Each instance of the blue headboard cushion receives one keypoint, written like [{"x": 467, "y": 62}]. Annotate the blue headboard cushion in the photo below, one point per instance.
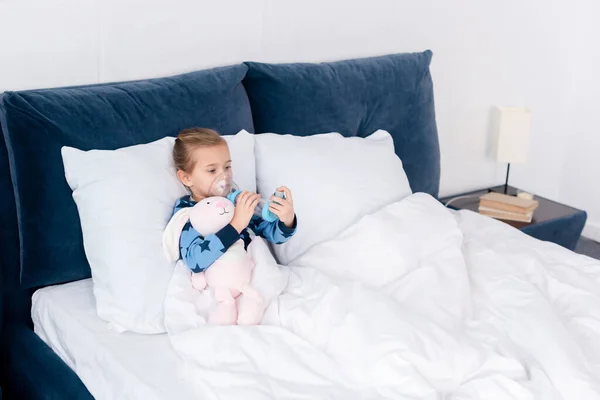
[
  {"x": 354, "y": 98},
  {"x": 16, "y": 302},
  {"x": 38, "y": 123}
]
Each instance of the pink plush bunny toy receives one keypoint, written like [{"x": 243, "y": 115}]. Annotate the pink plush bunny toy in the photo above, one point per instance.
[{"x": 230, "y": 274}]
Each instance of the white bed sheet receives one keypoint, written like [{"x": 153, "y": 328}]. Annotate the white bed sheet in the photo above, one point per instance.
[
  {"x": 411, "y": 302},
  {"x": 111, "y": 365}
]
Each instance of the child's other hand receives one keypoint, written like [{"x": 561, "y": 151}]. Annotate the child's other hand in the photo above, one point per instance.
[
  {"x": 285, "y": 209},
  {"x": 244, "y": 209}
]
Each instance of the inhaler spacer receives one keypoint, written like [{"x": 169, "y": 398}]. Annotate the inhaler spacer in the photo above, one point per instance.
[{"x": 223, "y": 186}]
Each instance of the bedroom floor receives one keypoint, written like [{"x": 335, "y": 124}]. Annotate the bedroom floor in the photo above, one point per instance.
[{"x": 588, "y": 247}]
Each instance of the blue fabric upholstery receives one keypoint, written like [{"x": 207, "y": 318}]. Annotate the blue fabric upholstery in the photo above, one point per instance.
[
  {"x": 34, "y": 371},
  {"x": 17, "y": 302},
  {"x": 564, "y": 231},
  {"x": 38, "y": 123},
  {"x": 354, "y": 98}
]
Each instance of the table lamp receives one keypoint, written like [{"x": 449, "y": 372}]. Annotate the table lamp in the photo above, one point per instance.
[{"x": 512, "y": 126}]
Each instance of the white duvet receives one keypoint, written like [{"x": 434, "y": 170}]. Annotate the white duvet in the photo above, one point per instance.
[{"x": 411, "y": 302}]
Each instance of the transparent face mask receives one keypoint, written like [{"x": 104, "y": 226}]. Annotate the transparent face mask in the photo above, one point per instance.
[{"x": 223, "y": 186}]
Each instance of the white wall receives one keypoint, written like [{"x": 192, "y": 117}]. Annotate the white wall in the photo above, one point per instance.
[
  {"x": 486, "y": 53},
  {"x": 580, "y": 180}
]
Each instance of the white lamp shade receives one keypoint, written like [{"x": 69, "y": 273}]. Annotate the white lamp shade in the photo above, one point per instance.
[{"x": 512, "y": 127}]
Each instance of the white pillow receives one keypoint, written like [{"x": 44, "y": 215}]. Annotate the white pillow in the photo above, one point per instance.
[
  {"x": 334, "y": 181},
  {"x": 125, "y": 198}
]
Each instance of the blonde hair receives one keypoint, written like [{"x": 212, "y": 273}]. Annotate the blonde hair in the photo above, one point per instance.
[{"x": 190, "y": 139}]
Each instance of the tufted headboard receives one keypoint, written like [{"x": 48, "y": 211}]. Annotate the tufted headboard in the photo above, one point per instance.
[{"x": 354, "y": 97}]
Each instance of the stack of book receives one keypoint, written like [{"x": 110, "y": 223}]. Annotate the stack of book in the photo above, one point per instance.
[{"x": 512, "y": 208}]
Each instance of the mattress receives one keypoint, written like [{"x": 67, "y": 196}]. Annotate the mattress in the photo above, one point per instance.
[{"x": 111, "y": 365}]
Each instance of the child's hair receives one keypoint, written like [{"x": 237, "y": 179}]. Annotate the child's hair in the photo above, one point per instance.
[{"x": 190, "y": 139}]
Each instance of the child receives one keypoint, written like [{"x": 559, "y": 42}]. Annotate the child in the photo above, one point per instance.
[{"x": 200, "y": 155}]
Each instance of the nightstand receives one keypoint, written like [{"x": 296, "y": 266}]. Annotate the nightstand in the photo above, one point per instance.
[{"x": 552, "y": 221}]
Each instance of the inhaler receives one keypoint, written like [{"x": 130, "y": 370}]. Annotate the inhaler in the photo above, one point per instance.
[{"x": 223, "y": 186}]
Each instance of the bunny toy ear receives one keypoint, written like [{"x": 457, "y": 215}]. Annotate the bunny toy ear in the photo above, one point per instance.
[{"x": 170, "y": 239}]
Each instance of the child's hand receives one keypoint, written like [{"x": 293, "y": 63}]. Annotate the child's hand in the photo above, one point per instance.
[
  {"x": 244, "y": 209},
  {"x": 285, "y": 209}
]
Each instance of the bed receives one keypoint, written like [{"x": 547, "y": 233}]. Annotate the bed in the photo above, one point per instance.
[{"x": 456, "y": 306}]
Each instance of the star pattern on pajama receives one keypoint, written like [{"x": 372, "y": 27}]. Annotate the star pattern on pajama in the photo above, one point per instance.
[{"x": 205, "y": 246}]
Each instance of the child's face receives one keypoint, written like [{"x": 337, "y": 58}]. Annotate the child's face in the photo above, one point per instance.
[{"x": 209, "y": 162}]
